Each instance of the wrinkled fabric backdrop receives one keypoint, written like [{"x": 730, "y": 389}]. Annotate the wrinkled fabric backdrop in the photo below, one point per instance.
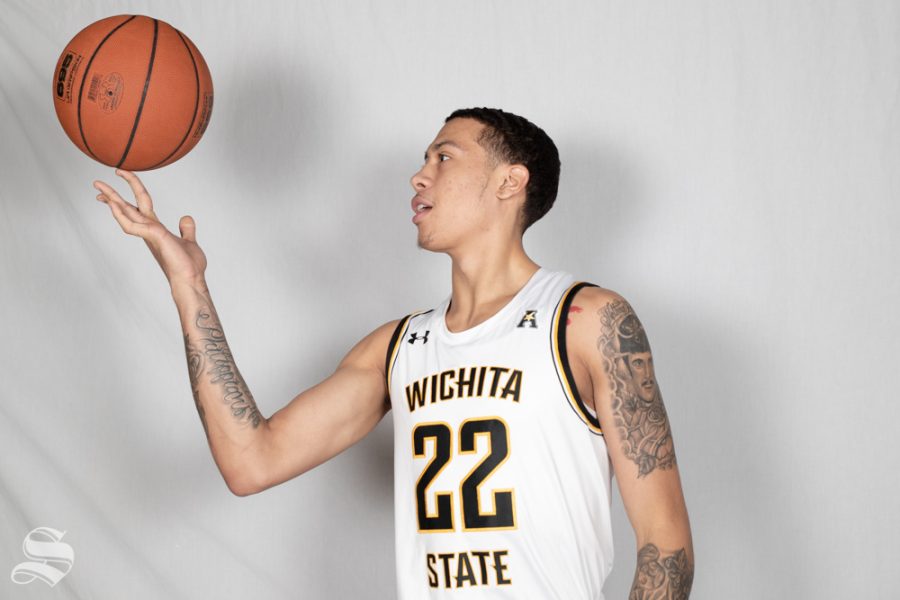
[{"x": 731, "y": 168}]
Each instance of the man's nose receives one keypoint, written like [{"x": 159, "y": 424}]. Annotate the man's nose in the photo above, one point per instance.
[{"x": 420, "y": 180}]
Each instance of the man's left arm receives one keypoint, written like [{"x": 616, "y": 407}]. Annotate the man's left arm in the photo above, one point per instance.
[{"x": 609, "y": 343}]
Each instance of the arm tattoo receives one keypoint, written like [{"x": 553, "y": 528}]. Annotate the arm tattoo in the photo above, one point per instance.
[
  {"x": 637, "y": 405},
  {"x": 215, "y": 353},
  {"x": 659, "y": 577},
  {"x": 195, "y": 366}
]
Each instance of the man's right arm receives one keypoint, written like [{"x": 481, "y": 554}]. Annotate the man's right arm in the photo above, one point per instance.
[{"x": 254, "y": 453}]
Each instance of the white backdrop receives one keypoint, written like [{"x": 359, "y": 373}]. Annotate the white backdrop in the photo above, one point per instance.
[{"x": 731, "y": 168}]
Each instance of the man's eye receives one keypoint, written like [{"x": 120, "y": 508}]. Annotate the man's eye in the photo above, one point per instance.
[{"x": 442, "y": 157}]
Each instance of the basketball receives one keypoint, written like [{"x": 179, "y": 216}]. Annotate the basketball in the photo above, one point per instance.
[{"x": 133, "y": 92}]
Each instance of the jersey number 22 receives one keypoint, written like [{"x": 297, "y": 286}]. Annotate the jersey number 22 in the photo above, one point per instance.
[{"x": 474, "y": 518}]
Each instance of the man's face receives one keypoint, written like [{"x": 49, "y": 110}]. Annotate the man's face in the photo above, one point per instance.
[
  {"x": 456, "y": 183},
  {"x": 642, "y": 376}
]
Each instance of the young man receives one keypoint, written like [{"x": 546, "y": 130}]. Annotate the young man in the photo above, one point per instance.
[{"x": 512, "y": 399}]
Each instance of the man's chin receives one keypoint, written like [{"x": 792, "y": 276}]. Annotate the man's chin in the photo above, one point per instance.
[{"x": 426, "y": 242}]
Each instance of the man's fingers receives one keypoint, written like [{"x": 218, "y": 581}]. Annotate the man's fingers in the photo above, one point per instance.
[
  {"x": 113, "y": 198},
  {"x": 128, "y": 225},
  {"x": 145, "y": 204},
  {"x": 188, "y": 228}
]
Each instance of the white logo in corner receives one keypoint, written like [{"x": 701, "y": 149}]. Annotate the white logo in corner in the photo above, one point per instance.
[{"x": 50, "y": 559}]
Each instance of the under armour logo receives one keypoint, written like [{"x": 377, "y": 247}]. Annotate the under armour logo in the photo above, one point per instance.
[
  {"x": 51, "y": 559},
  {"x": 414, "y": 337},
  {"x": 530, "y": 317}
]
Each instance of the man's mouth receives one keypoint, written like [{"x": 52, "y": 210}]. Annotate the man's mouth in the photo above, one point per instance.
[{"x": 419, "y": 204}]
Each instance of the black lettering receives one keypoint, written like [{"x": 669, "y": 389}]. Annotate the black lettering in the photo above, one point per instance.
[
  {"x": 464, "y": 571},
  {"x": 496, "y": 381},
  {"x": 415, "y": 394},
  {"x": 499, "y": 567},
  {"x": 446, "y": 394},
  {"x": 432, "y": 574},
  {"x": 446, "y": 558},
  {"x": 465, "y": 384},
  {"x": 482, "y": 559},
  {"x": 61, "y": 80},
  {"x": 434, "y": 388},
  {"x": 513, "y": 386},
  {"x": 502, "y": 383}
]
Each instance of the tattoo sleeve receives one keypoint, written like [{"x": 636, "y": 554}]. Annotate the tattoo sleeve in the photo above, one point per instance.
[
  {"x": 195, "y": 366},
  {"x": 662, "y": 577},
  {"x": 639, "y": 415},
  {"x": 211, "y": 365}
]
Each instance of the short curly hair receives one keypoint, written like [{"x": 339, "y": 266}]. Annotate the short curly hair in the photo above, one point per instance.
[{"x": 516, "y": 140}]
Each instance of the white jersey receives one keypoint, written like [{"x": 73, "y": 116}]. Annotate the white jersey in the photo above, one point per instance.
[{"x": 501, "y": 474}]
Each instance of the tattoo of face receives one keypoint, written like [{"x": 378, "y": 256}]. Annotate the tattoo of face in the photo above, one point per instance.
[
  {"x": 659, "y": 577},
  {"x": 195, "y": 367},
  {"x": 217, "y": 355},
  {"x": 640, "y": 417}
]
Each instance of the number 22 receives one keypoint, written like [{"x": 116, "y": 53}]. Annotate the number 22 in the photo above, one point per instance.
[{"x": 503, "y": 516}]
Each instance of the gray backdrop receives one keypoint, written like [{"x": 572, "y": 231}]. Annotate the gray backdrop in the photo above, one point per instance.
[{"x": 731, "y": 168}]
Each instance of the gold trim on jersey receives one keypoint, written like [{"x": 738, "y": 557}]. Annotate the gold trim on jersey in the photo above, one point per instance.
[
  {"x": 394, "y": 345},
  {"x": 560, "y": 358}
]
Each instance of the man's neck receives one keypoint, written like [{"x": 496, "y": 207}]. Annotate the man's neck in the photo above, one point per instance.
[{"x": 484, "y": 282}]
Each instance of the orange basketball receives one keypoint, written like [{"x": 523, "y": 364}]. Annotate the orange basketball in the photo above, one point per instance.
[{"x": 133, "y": 92}]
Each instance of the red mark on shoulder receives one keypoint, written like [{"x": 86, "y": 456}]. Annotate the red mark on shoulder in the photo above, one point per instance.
[{"x": 575, "y": 309}]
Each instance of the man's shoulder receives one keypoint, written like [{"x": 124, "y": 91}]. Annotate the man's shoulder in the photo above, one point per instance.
[
  {"x": 592, "y": 311},
  {"x": 380, "y": 340},
  {"x": 371, "y": 350},
  {"x": 595, "y": 296}
]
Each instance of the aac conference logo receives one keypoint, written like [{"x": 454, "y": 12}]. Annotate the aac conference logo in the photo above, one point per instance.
[{"x": 50, "y": 558}]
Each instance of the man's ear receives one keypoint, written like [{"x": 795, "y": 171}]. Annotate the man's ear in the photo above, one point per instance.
[{"x": 515, "y": 181}]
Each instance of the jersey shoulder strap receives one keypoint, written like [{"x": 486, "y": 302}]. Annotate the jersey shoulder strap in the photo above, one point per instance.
[
  {"x": 561, "y": 358},
  {"x": 394, "y": 344}
]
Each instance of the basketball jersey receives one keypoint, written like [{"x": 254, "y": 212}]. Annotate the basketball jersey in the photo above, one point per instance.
[{"x": 501, "y": 474}]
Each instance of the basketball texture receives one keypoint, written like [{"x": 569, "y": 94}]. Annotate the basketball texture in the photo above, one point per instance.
[{"x": 133, "y": 92}]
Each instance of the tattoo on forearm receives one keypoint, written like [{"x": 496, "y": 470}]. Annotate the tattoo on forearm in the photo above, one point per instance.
[
  {"x": 662, "y": 577},
  {"x": 637, "y": 406},
  {"x": 213, "y": 356},
  {"x": 195, "y": 366}
]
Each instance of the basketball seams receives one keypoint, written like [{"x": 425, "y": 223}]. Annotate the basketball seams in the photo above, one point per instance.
[
  {"x": 137, "y": 118},
  {"x": 87, "y": 69},
  {"x": 196, "y": 103},
  {"x": 205, "y": 94}
]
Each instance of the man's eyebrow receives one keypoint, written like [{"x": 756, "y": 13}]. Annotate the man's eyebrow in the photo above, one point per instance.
[{"x": 438, "y": 145}]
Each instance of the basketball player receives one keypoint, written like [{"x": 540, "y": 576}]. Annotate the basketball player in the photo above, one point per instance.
[{"x": 515, "y": 399}]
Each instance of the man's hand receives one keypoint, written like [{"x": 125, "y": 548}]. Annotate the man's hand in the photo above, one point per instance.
[{"x": 181, "y": 259}]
